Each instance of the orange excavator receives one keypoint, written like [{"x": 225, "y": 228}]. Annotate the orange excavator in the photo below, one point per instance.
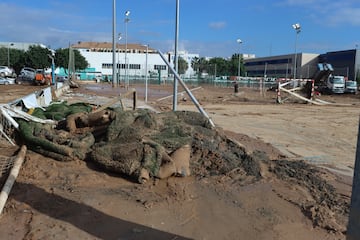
[{"x": 42, "y": 78}]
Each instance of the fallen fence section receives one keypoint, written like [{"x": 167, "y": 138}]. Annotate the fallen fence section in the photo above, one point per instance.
[
  {"x": 14, "y": 109},
  {"x": 6, "y": 164},
  {"x": 12, "y": 177},
  {"x": 292, "y": 91},
  {"x": 299, "y": 96}
]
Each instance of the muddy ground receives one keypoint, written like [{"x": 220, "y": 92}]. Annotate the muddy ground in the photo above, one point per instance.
[{"x": 291, "y": 200}]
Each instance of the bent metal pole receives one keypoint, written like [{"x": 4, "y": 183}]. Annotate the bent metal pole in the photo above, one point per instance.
[{"x": 201, "y": 110}]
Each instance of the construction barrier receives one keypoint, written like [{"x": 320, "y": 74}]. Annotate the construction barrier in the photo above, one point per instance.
[{"x": 296, "y": 84}]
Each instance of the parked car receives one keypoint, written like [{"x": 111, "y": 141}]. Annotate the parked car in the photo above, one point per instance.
[
  {"x": 7, "y": 72},
  {"x": 27, "y": 75},
  {"x": 7, "y": 81},
  {"x": 351, "y": 87}
]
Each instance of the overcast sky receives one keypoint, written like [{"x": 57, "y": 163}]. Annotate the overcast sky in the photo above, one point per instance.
[{"x": 207, "y": 27}]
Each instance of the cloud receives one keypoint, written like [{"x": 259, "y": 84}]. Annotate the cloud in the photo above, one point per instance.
[
  {"x": 217, "y": 25},
  {"x": 345, "y": 16},
  {"x": 329, "y": 13},
  {"x": 50, "y": 27}
]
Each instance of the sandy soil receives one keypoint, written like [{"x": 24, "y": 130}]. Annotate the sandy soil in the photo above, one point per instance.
[{"x": 76, "y": 200}]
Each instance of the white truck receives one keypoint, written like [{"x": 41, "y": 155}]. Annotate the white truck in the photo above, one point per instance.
[{"x": 335, "y": 84}]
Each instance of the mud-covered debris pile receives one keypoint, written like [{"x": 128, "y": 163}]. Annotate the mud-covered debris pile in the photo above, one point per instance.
[
  {"x": 144, "y": 145},
  {"x": 56, "y": 143},
  {"x": 160, "y": 145},
  {"x": 140, "y": 144}
]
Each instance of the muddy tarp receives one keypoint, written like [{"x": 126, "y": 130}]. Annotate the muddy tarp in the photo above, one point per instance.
[
  {"x": 137, "y": 143},
  {"x": 56, "y": 143},
  {"x": 145, "y": 140}
]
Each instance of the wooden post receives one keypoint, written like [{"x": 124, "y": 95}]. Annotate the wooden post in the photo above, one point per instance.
[
  {"x": 353, "y": 231},
  {"x": 278, "y": 96},
  {"x": 134, "y": 99},
  {"x": 312, "y": 89}
]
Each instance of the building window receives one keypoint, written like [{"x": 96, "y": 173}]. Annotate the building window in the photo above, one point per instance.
[
  {"x": 275, "y": 61},
  {"x": 107, "y": 65},
  {"x": 134, "y": 66},
  {"x": 160, "y": 67}
]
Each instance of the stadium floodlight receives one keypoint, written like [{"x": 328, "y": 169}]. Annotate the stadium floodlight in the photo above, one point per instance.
[{"x": 297, "y": 28}]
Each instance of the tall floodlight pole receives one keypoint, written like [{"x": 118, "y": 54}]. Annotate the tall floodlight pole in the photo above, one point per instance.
[
  {"x": 114, "y": 45},
  {"x": 127, "y": 19},
  {"x": 297, "y": 28},
  {"x": 239, "y": 42},
  {"x": 118, "y": 61},
  {"x": 146, "y": 73},
  {"x": 176, "y": 57}
]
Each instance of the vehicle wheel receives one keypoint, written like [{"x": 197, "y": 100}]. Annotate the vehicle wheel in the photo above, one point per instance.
[
  {"x": 2, "y": 74},
  {"x": 6, "y": 83}
]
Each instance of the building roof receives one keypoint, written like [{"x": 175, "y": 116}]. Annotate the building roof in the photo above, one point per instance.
[{"x": 107, "y": 47}]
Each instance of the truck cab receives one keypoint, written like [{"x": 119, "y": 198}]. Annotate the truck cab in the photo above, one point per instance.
[{"x": 336, "y": 84}]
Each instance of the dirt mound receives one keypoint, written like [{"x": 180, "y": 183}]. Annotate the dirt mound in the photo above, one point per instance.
[{"x": 319, "y": 200}]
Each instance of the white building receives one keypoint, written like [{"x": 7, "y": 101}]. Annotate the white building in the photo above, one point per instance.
[{"x": 100, "y": 55}]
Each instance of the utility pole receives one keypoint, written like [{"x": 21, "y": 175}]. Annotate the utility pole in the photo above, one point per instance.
[{"x": 176, "y": 57}]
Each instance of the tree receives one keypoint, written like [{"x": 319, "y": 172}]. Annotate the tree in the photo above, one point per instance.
[
  {"x": 16, "y": 58},
  {"x": 218, "y": 66},
  {"x": 37, "y": 57},
  {"x": 183, "y": 65},
  {"x": 221, "y": 66},
  {"x": 3, "y": 56},
  {"x": 200, "y": 65},
  {"x": 234, "y": 65},
  {"x": 62, "y": 59}
]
